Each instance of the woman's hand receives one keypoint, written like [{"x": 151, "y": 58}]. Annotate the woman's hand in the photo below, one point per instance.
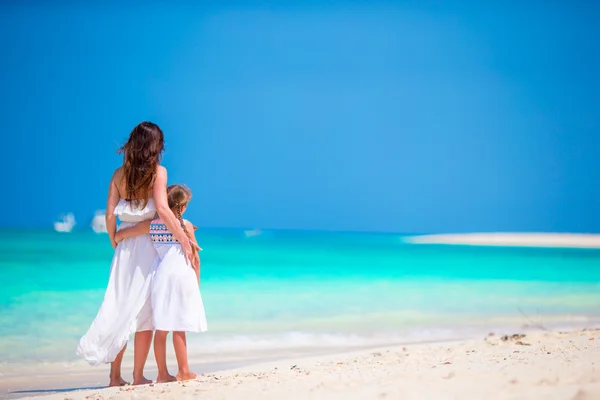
[
  {"x": 195, "y": 246},
  {"x": 196, "y": 266},
  {"x": 195, "y": 260},
  {"x": 188, "y": 250}
]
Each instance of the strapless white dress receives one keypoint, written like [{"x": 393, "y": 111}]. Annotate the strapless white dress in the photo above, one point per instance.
[{"x": 126, "y": 307}]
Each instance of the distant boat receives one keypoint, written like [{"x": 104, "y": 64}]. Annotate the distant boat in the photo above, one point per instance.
[
  {"x": 99, "y": 222},
  {"x": 66, "y": 224},
  {"x": 252, "y": 232}
]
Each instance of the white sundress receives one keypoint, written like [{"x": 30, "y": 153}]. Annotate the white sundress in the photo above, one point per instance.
[
  {"x": 176, "y": 300},
  {"x": 126, "y": 307}
]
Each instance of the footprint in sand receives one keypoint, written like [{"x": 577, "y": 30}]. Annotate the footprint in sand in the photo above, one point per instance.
[
  {"x": 585, "y": 395},
  {"x": 548, "y": 382},
  {"x": 449, "y": 376}
]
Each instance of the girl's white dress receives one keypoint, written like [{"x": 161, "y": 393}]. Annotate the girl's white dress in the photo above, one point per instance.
[
  {"x": 126, "y": 307},
  {"x": 176, "y": 300}
]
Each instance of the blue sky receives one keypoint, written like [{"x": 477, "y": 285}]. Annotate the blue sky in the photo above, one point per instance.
[{"x": 391, "y": 116}]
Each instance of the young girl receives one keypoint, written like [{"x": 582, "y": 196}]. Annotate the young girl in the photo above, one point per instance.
[{"x": 176, "y": 302}]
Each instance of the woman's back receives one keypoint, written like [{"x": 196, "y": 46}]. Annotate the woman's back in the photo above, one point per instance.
[
  {"x": 120, "y": 182},
  {"x": 140, "y": 208},
  {"x": 130, "y": 212}
]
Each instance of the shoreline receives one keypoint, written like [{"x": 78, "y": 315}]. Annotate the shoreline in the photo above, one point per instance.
[
  {"x": 507, "y": 239},
  {"x": 547, "y": 364}
]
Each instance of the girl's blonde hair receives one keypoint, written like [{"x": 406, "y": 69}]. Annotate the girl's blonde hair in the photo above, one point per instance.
[{"x": 178, "y": 196}]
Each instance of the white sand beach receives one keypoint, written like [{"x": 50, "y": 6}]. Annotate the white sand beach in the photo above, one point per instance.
[
  {"x": 545, "y": 365},
  {"x": 571, "y": 240}
]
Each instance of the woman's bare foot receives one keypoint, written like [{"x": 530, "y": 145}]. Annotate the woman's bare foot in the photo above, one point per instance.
[
  {"x": 186, "y": 376},
  {"x": 118, "y": 381},
  {"x": 166, "y": 378},
  {"x": 141, "y": 381}
]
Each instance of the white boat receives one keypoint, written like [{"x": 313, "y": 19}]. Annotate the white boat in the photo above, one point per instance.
[
  {"x": 252, "y": 232},
  {"x": 99, "y": 222},
  {"x": 66, "y": 224}
]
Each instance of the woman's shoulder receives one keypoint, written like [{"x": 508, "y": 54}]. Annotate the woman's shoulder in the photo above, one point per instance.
[
  {"x": 160, "y": 176},
  {"x": 117, "y": 176},
  {"x": 118, "y": 180},
  {"x": 161, "y": 169}
]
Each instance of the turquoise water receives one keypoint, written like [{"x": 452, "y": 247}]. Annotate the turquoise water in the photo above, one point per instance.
[{"x": 297, "y": 290}]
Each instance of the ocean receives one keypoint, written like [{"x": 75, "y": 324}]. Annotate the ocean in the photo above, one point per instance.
[{"x": 283, "y": 292}]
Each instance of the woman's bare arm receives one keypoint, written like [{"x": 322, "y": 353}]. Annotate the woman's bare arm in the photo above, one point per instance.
[
  {"x": 159, "y": 193},
  {"x": 196, "y": 263},
  {"x": 141, "y": 228},
  {"x": 111, "y": 203}
]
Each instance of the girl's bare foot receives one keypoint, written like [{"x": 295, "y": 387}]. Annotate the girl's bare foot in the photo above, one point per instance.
[
  {"x": 166, "y": 378},
  {"x": 141, "y": 381},
  {"x": 118, "y": 381},
  {"x": 186, "y": 376}
]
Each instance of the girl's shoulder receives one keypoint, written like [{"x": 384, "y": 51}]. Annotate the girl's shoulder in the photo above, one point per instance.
[{"x": 189, "y": 225}]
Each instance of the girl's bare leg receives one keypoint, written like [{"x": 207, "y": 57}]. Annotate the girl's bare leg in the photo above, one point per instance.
[
  {"x": 141, "y": 347},
  {"x": 160, "y": 353},
  {"x": 180, "y": 345},
  {"x": 115, "y": 370}
]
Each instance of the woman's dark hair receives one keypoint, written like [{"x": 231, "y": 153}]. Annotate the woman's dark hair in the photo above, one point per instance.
[{"x": 141, "y": 156}]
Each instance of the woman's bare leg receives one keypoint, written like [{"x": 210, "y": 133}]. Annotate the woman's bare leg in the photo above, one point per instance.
[
  {"x": 115, "y": 370},
  {"x": 141, "y": 348},
  {"x": 160, "y": 353},
  {"x": 180, "y": 345}
]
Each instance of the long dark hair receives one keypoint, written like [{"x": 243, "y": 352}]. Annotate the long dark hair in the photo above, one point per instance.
[{"x": 141, "y": 156}]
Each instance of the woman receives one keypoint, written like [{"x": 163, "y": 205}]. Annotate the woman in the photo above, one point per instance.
[{"x": 137, "y": 191}]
